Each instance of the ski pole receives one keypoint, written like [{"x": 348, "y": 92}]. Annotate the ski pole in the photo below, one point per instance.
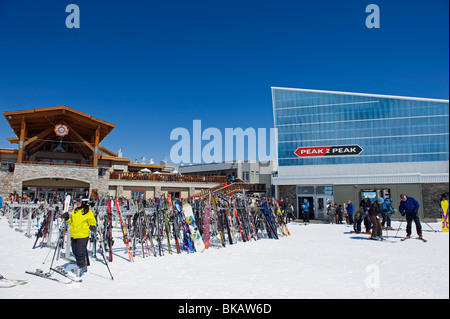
[
  {"x": 430, "y": 227},
  {"x": 399, "y": 227},
  {"x": 102, "y": 251}
]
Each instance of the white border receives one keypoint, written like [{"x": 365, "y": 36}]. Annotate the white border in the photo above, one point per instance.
[{"x": 361, "y": 94}]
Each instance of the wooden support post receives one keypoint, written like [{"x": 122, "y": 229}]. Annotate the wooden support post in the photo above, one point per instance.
[
  {"x": 96, "y": 146},
  {"x": 23, "y": 128}
]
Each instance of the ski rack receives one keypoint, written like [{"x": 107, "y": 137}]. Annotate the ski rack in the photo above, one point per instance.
[
  {"x": 243, "y": 221},
  {"x": 18, "y": 212}
]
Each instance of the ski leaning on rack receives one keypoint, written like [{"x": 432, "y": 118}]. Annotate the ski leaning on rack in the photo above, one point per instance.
[
  {"x": 174, "y": 223},
  {"x": 218, "y": 221},
  {"x": 124, "y": 232},
  {"x": 206, "y": 224},
  {"x": 108, "y": 230},
  {"x": 62, "y": 232}
]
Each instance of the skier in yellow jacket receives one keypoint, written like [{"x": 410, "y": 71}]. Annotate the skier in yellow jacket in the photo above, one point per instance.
[{"x": 82, "y": 221}]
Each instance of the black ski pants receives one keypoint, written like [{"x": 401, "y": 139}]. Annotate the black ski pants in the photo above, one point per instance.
[
  {"x": 357, "y": 225},
  {"x": 306, "y": 217},
  {"x": 409, "y": 219},
  {"x": 79, "y": 249}
]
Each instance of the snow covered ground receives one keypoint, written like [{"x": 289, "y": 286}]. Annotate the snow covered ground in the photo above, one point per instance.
[{"x": 316, "y": 261}]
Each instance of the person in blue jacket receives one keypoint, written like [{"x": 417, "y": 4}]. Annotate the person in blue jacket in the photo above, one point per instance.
[
  {"x": 386, "y": 212},
  {"x": 305, "y": 211},
  {"x": 350, "y": 209},
  {"x": 409, "y": 207}
]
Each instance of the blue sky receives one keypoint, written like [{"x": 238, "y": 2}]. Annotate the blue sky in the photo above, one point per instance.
[{"x": 152, "y": 66}]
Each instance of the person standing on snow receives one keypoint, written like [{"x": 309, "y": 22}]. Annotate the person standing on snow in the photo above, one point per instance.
[
  {"x": 290, "y": 213},
  {"x": 386, "y": 212},
  {"x": 365, "y": 204},
  {"x": 305, "y": 211},
  {"x": 350, "y": 209},
  {"x": 410, "y": 207},
  {"x": 374, "y": 216},
  {"x": 82, "y": 221},
  {"x": 358, "y": 220},
  {"x": 331, "y": 211}
]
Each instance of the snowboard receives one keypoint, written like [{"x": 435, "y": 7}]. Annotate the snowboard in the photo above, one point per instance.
[
  {"x": 206, "y": 224},
  {"x": 444, "y": 213},
  {"x": 195, "y": 233}
]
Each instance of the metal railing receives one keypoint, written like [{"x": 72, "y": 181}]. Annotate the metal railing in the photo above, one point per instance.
[
  {"x": 231, "y": 189},
  {"x": 57, "y": 164},
  {"x": 154, "y": 177}
]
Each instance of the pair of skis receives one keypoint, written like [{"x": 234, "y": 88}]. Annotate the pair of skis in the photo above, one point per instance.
[
  {"x": 419, "y": 238},
  {"x": 59, "y": 270},
  {"x": 124, "y": 232},
  {"x": 9, "y": 283}
]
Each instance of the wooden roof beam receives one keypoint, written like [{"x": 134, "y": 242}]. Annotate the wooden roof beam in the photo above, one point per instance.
[
  {"x": 41, "y": 135},
  {"x": 80, "y": 138}
]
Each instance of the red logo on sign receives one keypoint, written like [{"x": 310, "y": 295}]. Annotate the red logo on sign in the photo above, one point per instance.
[
  {"x": 312, "y": 151},
  {"x": 61, "y": 130},
  {"x": 347, "y": 150}
]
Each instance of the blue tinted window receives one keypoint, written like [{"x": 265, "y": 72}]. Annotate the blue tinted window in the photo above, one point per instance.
[{"x": 388, "y": 129}]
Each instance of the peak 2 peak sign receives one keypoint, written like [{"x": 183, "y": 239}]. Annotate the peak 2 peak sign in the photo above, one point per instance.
[{"x": 317, "y": 151}]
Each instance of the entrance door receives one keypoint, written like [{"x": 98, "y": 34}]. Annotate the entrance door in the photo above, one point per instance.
[
  {"x": 322, "y": 203},
  {"x": 62, "y": 192},
  {"x": 310, "y": 200}
]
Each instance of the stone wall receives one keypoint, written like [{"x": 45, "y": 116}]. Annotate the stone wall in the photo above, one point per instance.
[
  {"x": 6, "y": 179},
  {"x": 289, "y": 192},
  {"x": 101, "y": 184},
  {"x": 25, "y": 172},
  {"x": 431, "y": 193}
]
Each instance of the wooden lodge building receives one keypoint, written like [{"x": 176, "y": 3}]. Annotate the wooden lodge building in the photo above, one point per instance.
[{"x": 58, "y": 150}]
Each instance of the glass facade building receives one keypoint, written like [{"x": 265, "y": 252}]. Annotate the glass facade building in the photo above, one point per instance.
[
  {"x": 357, "y": 145},
  {"x": 389, "y": 129}
]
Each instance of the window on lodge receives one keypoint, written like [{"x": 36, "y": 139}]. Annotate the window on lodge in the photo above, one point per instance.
[
  {"x": 175, "y": 195},
  {"x": 315, "y": 190},
  {"x": 137, "y": 194},
  {"x": 58, "y": 146},
  {"x": 52, "y": 194},
  {"x": 7, "y": 165},
  {"x": 373, "y": 194},
  {"x": 57, "y": 161}
]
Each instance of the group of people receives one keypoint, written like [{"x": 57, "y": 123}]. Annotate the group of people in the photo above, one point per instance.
[
  {"x": 335, "y": 213},
  {"x": 377, "y": 214},
  {"x": 287, "y": 209}
]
